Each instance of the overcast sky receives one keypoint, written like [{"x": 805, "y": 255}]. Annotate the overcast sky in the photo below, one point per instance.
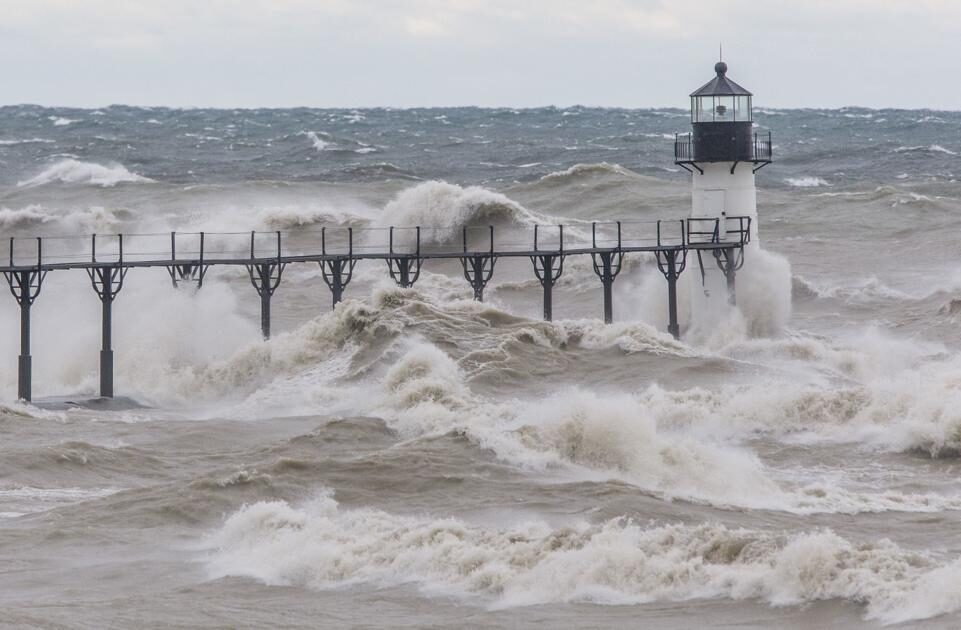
[{"x": 351, "y": 53}]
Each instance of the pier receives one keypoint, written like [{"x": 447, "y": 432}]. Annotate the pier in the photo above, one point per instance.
[{"x": 187, "y": 256}]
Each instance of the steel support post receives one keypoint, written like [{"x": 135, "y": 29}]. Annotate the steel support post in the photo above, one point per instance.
[
  {"x": 25, "y": 362},
  {"x": 477, "y": 283},
  {"x": 672, "y": 262},
  {"x": 107, "y": 282},
  {"x": 25, "y": 287},
  {"x": 729, "y": 261},
  {"x": 548, "y": 268},
  {"x": 478, "y": 270},
  {"x": 106, "y": 350},
  {"x": 607, "y": 265},
  {"x": 672, "y": 325},
  {"x": 263, "y": 271},
  {"x": 337, "y": 273},
  {"x": 731, "y": 289},
  {"x": 187, "y": 272},
  {"x": 265, "y": 278},
  {"x": 404, "y": 270}
]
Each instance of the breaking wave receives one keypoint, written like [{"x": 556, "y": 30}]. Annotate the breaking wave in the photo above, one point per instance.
[
  {"x": 617, "y": 562},
  {"x": 323, "y": 141},
  {"x": 879, "y": 394},
  {"x": 92, "y": 219},
  {"x": 446, "y": 208},
  {"x": 73, "y": 171}
]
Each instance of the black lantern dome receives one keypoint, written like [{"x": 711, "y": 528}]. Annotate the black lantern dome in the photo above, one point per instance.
[
  {"x": 721, "y": 100},
  {"x": 723, "y": 121}
]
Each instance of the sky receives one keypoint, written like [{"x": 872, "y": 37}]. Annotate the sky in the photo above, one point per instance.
[{"x": 516, "y": 53}]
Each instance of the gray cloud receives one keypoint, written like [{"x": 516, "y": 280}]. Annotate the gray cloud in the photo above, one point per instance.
[{"x": 629, "y": 53}]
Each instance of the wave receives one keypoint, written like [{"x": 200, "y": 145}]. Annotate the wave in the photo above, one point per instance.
[
  {"x": 803, "y": 289},
  {"x": 933, "y": 148},
  {"x": 88, "y": 220},
  {"x": 295, "y": 216},
  {"x": 21, "y": 500},
  {"x": 26, "y": 141},
  {"x": 72, "y": 171},
  {"x": 318, "y": 143},
  {"x": 897, "y": 196},
  {"x": 581, "y": 170},
  {"x": 444, "y": 209},
  {"x": 629, "y": 337},
  {"x": 875, "y": 392},
  {"x": 323, "y": 141},
  {"x": 872, "y": 289},
  {"x": 867, "y": 290},
  {"x": 379, "y": 359},
  {"x": 636, "y": 439},
  {"x": 807, "y": 182},
  {"x": 385, "y": 170},
  {"x": 617, "y": 562}
]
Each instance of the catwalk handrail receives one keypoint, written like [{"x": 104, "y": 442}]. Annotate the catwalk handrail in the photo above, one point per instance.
[{"x": 46, "y": 253}]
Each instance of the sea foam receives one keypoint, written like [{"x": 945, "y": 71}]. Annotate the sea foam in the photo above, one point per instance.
[{"x": 616, "y": 562}]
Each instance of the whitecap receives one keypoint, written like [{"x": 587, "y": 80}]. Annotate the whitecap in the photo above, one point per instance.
[
  {"x": 807, "y": 182},
  {"x": 322, "y": 546},
  {"x": 73, "y": 171}
]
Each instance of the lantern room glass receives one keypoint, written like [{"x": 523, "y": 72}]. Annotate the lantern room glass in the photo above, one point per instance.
[{"x": 721, "y": 109}]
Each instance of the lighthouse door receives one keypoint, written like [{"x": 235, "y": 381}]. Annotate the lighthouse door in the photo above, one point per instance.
[
  {"x": 713, "y": 204},
  {"x": 712, "y": 207}
]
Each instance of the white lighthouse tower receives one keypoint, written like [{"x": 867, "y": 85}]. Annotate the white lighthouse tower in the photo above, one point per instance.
[{"x": 722, "y": 154}]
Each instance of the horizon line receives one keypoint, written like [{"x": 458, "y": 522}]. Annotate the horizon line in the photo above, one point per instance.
[{"x": 480, "y": 107}]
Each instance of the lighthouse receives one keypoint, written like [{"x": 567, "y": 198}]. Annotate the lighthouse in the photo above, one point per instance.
[{"x": 722, "y": 153}]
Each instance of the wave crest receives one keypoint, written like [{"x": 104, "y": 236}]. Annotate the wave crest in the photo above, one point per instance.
[
  {"x": 617, "y": 562},
  {"x": 71, "y": 171},
  {"x": 92, "y": 219},
  {"x": 446, "y": 208},
  {"x": 586, "y": 170}
]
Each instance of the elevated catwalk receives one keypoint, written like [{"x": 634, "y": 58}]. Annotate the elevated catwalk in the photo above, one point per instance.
[{"x": 188, "y": 256}]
